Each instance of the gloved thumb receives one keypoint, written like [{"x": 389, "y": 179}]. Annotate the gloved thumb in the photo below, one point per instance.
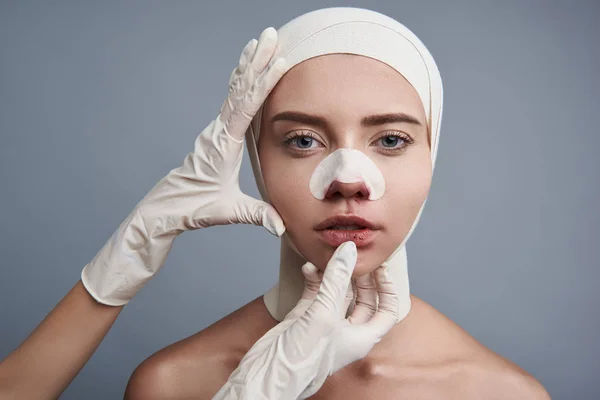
[
  {"x": 312, "y": 281},
  {"x": 257, "y": 212},
  {"x": 332, "y": 295}
]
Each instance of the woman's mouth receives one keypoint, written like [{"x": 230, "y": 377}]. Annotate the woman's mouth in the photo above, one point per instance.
[
  {"x": 361, "y": 237},
  {"x": 347, "y": 228}
]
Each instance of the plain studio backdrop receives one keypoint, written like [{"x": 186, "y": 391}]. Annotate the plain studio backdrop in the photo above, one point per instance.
[{"x": 99, "y": 100}]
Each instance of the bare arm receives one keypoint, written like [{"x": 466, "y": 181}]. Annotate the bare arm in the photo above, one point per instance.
[
  {"x": 50, "y": 358},
  {"x": 203, "y": 192}
]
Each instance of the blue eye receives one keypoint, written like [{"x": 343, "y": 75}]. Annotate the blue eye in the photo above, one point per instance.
[
  {"x": 303, "y": 142},
  {"x": 394, "y": 142},
  {"x": 390, "y": 141}
]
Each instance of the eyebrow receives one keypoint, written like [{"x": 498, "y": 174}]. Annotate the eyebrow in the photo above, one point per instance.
[{"x": 371, "y": 120}]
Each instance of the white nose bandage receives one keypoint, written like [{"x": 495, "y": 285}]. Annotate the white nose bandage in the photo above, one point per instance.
[{"x": 347, "y": 166}]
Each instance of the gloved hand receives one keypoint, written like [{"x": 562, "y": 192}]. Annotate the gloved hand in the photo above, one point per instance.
[
  {"x": 374, "y": 314},
  {"x": 294, "y": 358},
  {"x": 203, "y": 192}
]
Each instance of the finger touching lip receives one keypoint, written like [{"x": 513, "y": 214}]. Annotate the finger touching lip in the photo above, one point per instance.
[{"x": 360, "y": 237}]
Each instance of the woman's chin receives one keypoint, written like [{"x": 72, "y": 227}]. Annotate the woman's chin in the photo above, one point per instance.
[
  {"x": 368, "y": 260},
  {"x": 364, "y": 267}
]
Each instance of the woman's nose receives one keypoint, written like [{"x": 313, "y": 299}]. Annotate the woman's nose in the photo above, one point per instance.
[{"x": 354, "y": 189}]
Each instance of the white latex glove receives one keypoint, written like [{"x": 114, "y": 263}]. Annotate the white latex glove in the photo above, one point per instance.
[
  {"x": 293, "y": 359},
  {"x": 203, "y": 192},
  {"x": 373, "y": 315}
]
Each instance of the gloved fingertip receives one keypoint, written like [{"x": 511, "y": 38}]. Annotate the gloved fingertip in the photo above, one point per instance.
[
  {"x": 267, "y": 37},
  {"x": 309, "y": 270},
  {"x": 270, "y": 31},
  {"x": 270, "y": 229},
  {"x": 280, "y": 228},
  {"x": 279, "y": 64},
  {"x": 274, "y": 226},
  {"x": 347, "y": 249},
  {"x": 273, "y": 222},
  {"x": 382, "y": 274}
]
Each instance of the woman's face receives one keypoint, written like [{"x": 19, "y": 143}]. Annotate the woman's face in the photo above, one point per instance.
[{"x": 325, "y": 99}]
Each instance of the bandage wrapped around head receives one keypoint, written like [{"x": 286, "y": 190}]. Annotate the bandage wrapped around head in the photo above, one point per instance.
[{"x": 366, "y": 33}]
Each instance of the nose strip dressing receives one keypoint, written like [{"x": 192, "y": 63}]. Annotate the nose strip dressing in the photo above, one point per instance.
[{"x": 347, "y": 166}]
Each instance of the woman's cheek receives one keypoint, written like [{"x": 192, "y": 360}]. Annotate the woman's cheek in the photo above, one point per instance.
[
  {"x": 405, "y": 194},
  {"x": 289, "y": 192}
]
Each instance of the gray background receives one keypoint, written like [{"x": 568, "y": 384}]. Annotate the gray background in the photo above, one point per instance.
[{"x": 99, "y": 100}]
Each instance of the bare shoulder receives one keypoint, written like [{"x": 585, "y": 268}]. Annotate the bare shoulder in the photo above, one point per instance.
[
  {"x": 197, "y": 366},
  {"x": 472, "y": 369},
  {"x": 428, "y": 356},
  {"x": 493, "y": 379}
]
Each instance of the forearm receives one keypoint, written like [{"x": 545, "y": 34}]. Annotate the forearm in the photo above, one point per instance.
[{"x": 50, "y": 358}]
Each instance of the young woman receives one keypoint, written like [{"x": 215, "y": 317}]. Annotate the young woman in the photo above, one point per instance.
[
  {"x": 340, "y": 94},
  {"x": 343, "y": 149}
]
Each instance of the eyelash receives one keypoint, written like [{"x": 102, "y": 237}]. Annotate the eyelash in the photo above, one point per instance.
[{"x": 397, "y": 150}]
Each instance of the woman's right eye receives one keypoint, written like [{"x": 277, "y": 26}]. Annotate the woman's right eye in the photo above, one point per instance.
[{"x": 302, "y": 141}]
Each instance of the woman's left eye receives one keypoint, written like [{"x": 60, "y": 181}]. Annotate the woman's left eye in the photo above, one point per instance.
[
  {"x": 393, "y": 141},
  {"x": 390, "y": 141}
]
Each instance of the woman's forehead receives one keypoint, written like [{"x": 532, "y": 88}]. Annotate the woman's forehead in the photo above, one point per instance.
[{"x": 344, "y": 82}]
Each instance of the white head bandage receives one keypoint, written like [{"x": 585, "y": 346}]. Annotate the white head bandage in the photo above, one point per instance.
[
  {"x": 370, "y": 34},
  {"x": 347, "y": 166}
]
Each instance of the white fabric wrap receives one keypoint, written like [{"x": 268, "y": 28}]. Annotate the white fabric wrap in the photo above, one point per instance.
[{"x": 371, "y": 34}]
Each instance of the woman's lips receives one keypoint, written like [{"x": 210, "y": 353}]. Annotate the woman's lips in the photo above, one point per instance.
[{"x": 361, "y": 237}]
